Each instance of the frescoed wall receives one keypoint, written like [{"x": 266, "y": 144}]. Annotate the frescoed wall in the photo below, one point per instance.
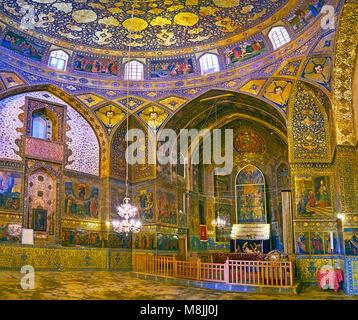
[
  {"x": 146, "y": 241},
  {"x": 313, "y": 196},
  {"x": 144, "y": 201},
  {"x": 10, "y": 191},
  {"x": 171, "y": 68},
  {"x": 81, "y": 201},
  {"x": 167, "y": 208},
  {"x": 96, "y": 65},
  {"x": 244, "y": 51},
  {"x": 23, "y": 46},
  {"x": 250, "y": 196},
  {"x": 167, "y": 242}
]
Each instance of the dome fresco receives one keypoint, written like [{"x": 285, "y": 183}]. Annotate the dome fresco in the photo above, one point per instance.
[{"x": 157, "y": 24}]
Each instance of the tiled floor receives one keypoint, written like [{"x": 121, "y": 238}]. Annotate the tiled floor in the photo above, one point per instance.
[{"x": 101, "y": 285}]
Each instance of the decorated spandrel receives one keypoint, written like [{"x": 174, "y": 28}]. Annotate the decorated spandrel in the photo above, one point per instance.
[{"x": 250, "y": 196}]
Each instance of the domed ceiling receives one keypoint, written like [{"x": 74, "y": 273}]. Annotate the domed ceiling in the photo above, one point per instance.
[{"x": 158, "y": 24}]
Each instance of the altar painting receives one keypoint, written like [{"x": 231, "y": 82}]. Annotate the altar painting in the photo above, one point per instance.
[
  {"x": 144, "y": 201},
  {"x": 313, "y": 196},
  {"x": 167, "y": 209},
  {"x": 250, "y": 196}
]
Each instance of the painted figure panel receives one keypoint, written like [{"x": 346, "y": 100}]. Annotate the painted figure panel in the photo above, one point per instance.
[
  {"x": 25, "y": 47},
  {"x": 244, "y": 51},
  {"x": 319, "y": 70},
  {"x": 302, "y": 242},
  {"x": 250, "y": 175},
  {"x": 171, "y": 68},
  {"x": 80, "y": 237},
  {"x": 304, "y": 15},
  {"x": 350, "y": 236},
  {"x": 317, "y": 242},
  {"x": 145, "y": 241},
  {"x": 167, "y": 242},
  {"x": 144, "y": 201},
  {"x": 313, "y": 196},
  {"x": 81, "y": 201},
  {"x": 10, "y": 190},
  {"x": 249, "y": 143},
  {"x": 279, "y": 92},
  {"x": 119, "y": 240},
  {"x": 251, "y": 204},
  {"x": 167, "y": 208},
  {"x": 96, "y": 65}
]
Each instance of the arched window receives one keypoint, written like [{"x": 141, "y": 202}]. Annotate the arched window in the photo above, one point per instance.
[
  {"x": 58, "y": 59},
  {"x": 250, "y": 196},
  {"x": 42, "y": 126},
  {"x": 133, "y": 70},
  {"x": 209, "y": 63},
  {"x": 279, "y": 37}
]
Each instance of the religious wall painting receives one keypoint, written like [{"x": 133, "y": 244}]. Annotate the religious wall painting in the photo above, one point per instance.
[
  {"x": 317, "y": 242},
  {"x": 250, "y": 196},
  {"x": 96, "y": 65},
  {"x": 10, "y": 190},
  {"x": 283, "y": 176},
  {"x": 194, "y": 223},
  {"x": 278, "y": 92},
  {"x": 249, "y": 143},
  {"x": 182, "y": 219},
  {"x": 244, "y": 51},
  {"x": 153, "y": 116},
  {"x": 313, "y": 197},
  {"x": 119, "y": 240},
  {"x": 118, "y": 152},
  {"x": 171, "y": 68},
  {"x": 81, "y": 237},
  {"x": 144, "y": 241},
  {"x": 304, "y": 15},
  {"x": 318, "y": 69},
  {"x": 222, "y": 186},
  {"x": 302, "y": 242},
  {"x": 167, "y": 242},
  {"x": 81, "y": 200},
  {"x": 167, "y": 211},
  {"x": 25, "y": 47},
  {"x": 144, "y": 201},
  {"x": 350, "y": 237},
  {"x": 40, "y": 220},
  {"x": 110, "y": 116}
]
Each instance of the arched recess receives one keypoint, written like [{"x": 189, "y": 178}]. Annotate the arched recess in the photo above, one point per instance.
[
  {"x": 310, "y": 125},
  {"x": 343, "y": 72},
  {"x": 81, "y": 109},
  {"x": 118, "y": 147},
  {"x": 246, "y": 116}
]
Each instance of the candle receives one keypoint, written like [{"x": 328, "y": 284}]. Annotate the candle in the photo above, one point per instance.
[{"x": 332, "y": 245}]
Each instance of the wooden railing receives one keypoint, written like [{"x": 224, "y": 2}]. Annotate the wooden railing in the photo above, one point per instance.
[{"x": 253, "y": 273}]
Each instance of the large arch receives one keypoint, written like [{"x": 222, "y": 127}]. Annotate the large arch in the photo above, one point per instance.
[{"x": 77, "y": 106}]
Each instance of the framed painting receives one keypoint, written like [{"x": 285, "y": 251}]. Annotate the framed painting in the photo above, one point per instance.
[{"x": 40, "y": 219}]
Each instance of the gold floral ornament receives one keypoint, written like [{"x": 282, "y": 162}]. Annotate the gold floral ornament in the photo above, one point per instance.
[
  {"x": 227, "y": 3},
  {"x": 84, "y": 16},
  {"x": 138, "y": 24},
  {"x": 153, "y": 116},
  {"x": 186, "y": 19}
]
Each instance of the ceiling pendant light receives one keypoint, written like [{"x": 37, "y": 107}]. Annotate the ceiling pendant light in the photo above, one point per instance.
[{"x": 127, "y": 212}]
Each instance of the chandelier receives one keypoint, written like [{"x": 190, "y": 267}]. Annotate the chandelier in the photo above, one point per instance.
[
  {"x": 127, "y": 224},
  {"x": 219, "y": 223}
]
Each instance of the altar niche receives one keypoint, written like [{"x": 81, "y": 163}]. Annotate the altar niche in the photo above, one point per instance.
[{"x": 250, "y": 196}]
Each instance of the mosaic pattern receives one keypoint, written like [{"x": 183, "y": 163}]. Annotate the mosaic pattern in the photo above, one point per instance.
[
  {"x": 157, "y": 24},
  {"x": 351, "y": 275},
  {"x": 309, "y": 134},
  {"x": 52, "y": 259}
]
